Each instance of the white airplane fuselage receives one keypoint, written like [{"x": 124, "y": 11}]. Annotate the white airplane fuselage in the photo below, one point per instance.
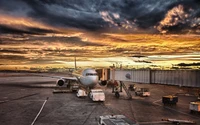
[{"x": 88, "y": 77}]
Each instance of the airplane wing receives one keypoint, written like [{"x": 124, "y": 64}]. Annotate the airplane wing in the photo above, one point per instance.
[
  {"x": 70, "y": 78},
  {"x": 59, "y": 77},
  {"x": 63, "y": 81},
  {"x": 64, "y": 78}
]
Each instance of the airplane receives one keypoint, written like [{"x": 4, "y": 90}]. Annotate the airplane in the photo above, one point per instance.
[{"x": 87, "y": 78}]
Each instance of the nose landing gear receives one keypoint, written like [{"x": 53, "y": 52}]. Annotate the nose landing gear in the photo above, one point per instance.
[{"x": 117, "y": 95}]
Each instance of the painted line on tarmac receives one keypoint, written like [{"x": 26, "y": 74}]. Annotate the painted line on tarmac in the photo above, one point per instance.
[
  {"x": 155, "y": 102},
  {"x": 39, "y": 111},
  {"x": 181, "y": 112}
]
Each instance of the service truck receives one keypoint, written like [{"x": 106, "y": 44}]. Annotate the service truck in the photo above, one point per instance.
[
  {"x": 97, "y": 95},
  {"x": 115, "y": 120},
  {"x": 142, "y": 92},
  {"x": 81, "y": 93},
  {"x": 194, "y": 106}
]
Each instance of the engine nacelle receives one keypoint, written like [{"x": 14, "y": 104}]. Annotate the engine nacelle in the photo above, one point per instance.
[
  {"x": 60, "y": 82},
  {"x": 103, "y": 82}
]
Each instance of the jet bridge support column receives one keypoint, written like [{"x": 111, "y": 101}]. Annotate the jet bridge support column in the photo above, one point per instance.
[
  {"x": 120, "y": 86},
  {"x": 126, "y": 90}
]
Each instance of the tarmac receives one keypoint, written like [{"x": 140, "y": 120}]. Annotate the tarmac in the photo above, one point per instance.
[{"x": 22, "y": 96}]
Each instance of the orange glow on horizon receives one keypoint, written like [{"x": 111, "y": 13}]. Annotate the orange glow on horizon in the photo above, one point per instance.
[{"x": 22, "y": 22}]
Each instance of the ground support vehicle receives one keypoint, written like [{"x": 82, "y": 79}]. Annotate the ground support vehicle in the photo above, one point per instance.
[
  {"x": 194, "y": 107},
  {"x": 132, "y": 87},
  {"x": 142, "y": 92},
  {"x": 81, "y": 93},
  {"x": 97, "y": 95},
  {"x": 169, "y": 99}
]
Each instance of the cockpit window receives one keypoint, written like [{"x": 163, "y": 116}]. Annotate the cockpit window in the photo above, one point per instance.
[{"x": 91, "y": 74}]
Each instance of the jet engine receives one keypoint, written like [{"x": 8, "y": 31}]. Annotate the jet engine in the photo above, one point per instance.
[
  {"x": 60, "y": 82},
  {"x": 103, "y": 82}
]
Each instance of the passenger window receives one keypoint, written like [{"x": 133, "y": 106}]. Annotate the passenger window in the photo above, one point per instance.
[{"x": 91, "y": 74}]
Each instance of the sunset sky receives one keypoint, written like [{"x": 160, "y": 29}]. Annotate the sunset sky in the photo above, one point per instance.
[{"x": 99, "y": 33}]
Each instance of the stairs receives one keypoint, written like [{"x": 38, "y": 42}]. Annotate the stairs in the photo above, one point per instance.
[{"x": 126, "y": 90}]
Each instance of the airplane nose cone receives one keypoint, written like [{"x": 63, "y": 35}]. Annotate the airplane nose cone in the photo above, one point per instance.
[
  {"x": 90, "y": 81},
  {"x": 93, "y": 80}
]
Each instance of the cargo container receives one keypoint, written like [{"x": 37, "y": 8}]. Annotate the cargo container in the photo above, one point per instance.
[{"x": 170, "y": 99}]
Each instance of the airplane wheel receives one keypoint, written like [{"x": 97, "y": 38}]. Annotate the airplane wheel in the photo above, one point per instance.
[{"x": 117, "y": 95}]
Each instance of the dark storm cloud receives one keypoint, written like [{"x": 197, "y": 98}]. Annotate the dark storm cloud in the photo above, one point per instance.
[
  {"x": 62, "y": 39},
  {"x": 69, "y": 40},
  {"x": 188, "y": 64},
  {"x": 61, "y": 53},
  {"x": 6, "y": 29},
  {"x": 76, "y": 14},
  {"x": 13, "y": 57},
  {"x": 59, "y": 39},
  {"x": 79, "y": 42},
  {"x": 14, "y": 7},
  {"x": 87, "y": 14},
  {"x": 119, "y": 50},
  {"x": 13, "y": 51}
]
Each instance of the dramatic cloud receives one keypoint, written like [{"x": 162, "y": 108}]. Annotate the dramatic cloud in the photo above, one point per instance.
[
  {"x": 132, "y": 15},
  {"x": 177, "y": 17},
  {"x": 12, "y": 57},
  {"x": 50, "y": 31}
]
